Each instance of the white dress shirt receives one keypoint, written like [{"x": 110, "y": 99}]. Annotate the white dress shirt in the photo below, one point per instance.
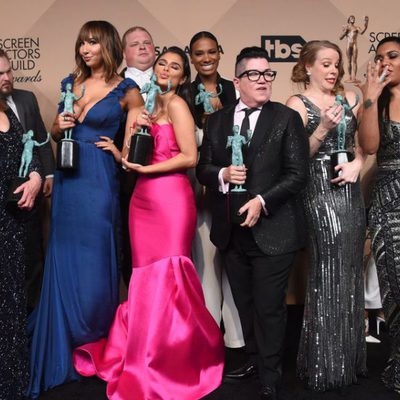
[
  {"x": 13, "y": 107},
  {"x": 140, "y": 77}
]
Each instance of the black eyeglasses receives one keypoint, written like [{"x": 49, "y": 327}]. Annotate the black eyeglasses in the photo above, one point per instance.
[{"x": 254, "y": 75}]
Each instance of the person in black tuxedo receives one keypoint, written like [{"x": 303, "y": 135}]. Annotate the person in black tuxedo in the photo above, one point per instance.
[
  {"x": 25, "y": 106},
  {"x": 139, "y": 54},
  {"x": 259, "y": 252}
]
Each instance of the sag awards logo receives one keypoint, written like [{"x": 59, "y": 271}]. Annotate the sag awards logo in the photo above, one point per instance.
[
  {"x": 24, "y": 53},
  {"x": 160, "y": 49},
  {"x": 376, "y": 37},
  {"x": 282, "y": 48}
]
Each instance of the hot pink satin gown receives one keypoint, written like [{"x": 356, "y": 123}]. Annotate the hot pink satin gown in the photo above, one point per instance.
[{"x": 163, "y": 344}]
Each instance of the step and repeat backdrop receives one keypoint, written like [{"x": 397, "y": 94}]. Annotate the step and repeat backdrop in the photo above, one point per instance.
[{"x": 39, "y": 37}]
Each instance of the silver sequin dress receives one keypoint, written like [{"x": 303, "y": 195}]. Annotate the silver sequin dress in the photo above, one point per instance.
[
  {"x": 332, "y": 350},
  {"x": 385, "y": 230}
]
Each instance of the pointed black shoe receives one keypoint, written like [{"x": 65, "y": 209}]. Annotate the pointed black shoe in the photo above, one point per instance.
[{"x": 246, "y": 371}]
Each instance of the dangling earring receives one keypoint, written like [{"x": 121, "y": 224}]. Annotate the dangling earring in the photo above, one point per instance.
[{"x": 308, "y": 73}]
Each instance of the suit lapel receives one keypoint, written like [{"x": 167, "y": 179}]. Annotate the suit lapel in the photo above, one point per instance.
[{"x": 263, "y": 127}]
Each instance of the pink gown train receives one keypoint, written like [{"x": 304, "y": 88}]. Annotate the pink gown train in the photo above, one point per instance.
[{"x": 163, "y": 343}]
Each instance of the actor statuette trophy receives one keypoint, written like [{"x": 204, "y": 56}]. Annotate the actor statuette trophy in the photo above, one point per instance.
[
  {"x": 238, "y": 196},
  {"x": 26, "y": 159},
  {"x": 141, "y": 143},
  {"x": 67, "y": 148},
  {"x": 341, "y": 155}
]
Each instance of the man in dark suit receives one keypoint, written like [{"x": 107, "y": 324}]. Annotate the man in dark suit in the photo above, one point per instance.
[
  {"x": 259, "y": 252},
  {"x": 139, "y": 54},
  {"x": 26, "y": 108}
]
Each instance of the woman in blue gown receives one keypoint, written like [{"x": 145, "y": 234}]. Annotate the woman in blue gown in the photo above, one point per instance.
[{"x": 80, "y": 286}]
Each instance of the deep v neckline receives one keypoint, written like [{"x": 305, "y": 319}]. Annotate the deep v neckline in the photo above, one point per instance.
[
  {"x": 9, "y": 117},
  {"x": 99, "y": 101}
]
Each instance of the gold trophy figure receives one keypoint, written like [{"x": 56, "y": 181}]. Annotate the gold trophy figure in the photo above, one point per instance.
[{"x": 350, "y": 32}]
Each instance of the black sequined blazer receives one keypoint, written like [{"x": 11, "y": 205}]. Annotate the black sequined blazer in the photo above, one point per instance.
[{"x": 277, "y": 162}]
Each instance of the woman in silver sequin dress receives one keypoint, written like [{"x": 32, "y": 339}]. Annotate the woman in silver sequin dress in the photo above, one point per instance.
[
  {"x": 332, "y": 348},
  {"x": 380, "y": 133},
  {"x": 13, "y": 338}
]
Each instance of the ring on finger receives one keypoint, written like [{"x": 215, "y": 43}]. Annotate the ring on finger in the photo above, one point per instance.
[
  {"x": 65, "y": 118},
  {"x": 335, "y": 114}
]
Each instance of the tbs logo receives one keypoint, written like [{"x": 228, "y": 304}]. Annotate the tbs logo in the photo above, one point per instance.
[{"x": 282, "y": 48}]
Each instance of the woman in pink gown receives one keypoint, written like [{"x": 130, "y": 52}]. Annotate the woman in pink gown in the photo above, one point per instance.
[{"x": 163, "y": 344}]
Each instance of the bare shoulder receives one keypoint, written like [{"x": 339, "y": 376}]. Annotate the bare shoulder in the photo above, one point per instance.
[
  {"x": 116, "y": 80},
  {"x": 294, "y": 101},
  {"x": 176, "y": 103},
  {"x": 177, "y": 107},
  {"x": 296, "y": 104},
  {"x": 351, "y": 97}
]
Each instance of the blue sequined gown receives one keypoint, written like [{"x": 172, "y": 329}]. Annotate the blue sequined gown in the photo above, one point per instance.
[
  {"x": 332, "y": 349},
  {"x": 80, "y": 285},
  {"x": 385, "y": 231}
]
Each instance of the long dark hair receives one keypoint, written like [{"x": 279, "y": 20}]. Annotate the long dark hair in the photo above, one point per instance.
[
  {"x": 111, "y": 49},
  {"x": 384, "y": 98},
  {"x": 184, "y": 90}
]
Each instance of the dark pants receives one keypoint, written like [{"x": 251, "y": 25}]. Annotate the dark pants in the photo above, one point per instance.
[
  {"x": 34, "y": 254},
  {"x": 259, "y": 285},
  {"x": 128, "y": 181}
]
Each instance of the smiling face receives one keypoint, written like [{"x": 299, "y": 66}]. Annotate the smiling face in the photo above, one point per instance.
[
  {"x": 253, "y": 94},
  {"x": 90, "y": 51},
  {"x": 205, "y": 56},
  {"x": 169, "y": 67},
  {"x": 139, "y": 50},
  {"x": 6, "y": 77},
  {"x": 325, "y": 70},
  {"x": 389, "y": 56}
]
